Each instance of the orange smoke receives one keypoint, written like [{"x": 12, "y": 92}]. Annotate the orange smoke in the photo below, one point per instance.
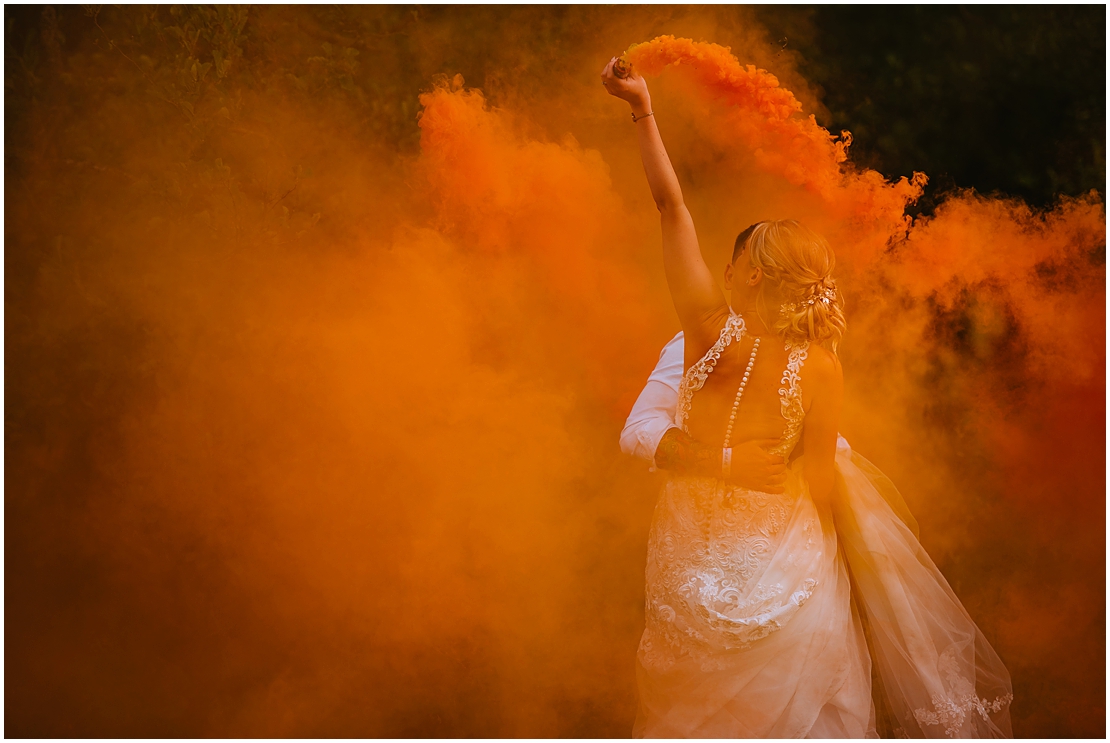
[
  {"x": 313, "y": 432},
  {"x": 766, "y": 119}
]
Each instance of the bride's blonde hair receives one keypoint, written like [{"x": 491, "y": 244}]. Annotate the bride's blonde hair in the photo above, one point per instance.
[{"x": 797, "y": 298}]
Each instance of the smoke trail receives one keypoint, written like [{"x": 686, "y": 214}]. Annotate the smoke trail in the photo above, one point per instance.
[{"x": 312, "y": 424}]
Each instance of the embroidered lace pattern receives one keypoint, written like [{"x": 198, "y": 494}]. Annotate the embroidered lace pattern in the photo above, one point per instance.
[
  {"x": 694, "y": 378},
  {"x": 790, "y": 399},
  {"x": 708, "y": 552},
  {"x": 790, "y": 394},
  {"x": 952, "y": 708}
]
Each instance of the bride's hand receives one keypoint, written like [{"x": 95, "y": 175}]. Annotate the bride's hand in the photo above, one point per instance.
[
  {"x": 632, "y": 88},
  {"x": 754, "y": 469}
]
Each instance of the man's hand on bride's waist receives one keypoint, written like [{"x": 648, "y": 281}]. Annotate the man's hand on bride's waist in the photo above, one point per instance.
[{"x": 752, "y": 468}]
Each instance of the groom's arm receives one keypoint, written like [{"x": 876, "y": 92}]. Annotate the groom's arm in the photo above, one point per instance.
[
  {"x": 650, "y": 432},
  {"x": 679, "y": 452},
  {"x": 653, "y": 414}
]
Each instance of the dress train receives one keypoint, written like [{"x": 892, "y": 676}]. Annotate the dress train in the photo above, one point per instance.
[{"x": 768, "y": 616}]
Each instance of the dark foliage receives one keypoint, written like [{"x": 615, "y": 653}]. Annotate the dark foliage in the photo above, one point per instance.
[{"x": 998, "y": 98}]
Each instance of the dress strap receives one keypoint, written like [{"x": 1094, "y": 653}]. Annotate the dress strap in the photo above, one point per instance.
[
  {"x": 790, "y": 399},
  {"x": 695, "y": 376}
]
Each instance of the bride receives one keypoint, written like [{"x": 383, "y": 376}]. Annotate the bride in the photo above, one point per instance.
[{"x": 813, "y": 611}]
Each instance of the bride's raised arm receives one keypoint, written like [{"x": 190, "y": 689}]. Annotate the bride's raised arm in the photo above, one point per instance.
[{"x": 696, "y": 295}]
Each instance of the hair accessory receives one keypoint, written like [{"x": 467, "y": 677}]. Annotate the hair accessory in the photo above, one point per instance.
[{"x": 824, "y": 290}]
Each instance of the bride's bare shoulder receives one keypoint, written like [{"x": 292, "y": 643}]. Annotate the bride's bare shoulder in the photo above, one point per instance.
[{"x": 822, "y": 371}]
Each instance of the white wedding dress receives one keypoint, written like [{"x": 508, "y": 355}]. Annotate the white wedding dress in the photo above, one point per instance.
[{"x": 769, "y": 616}]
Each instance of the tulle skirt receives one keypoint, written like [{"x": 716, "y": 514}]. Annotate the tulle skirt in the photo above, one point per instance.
[{"x": 770, "y": 616}]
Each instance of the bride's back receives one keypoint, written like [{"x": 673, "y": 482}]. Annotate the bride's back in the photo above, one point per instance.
[
  {"x": 782, "y": 272},
  {"x": 759, "y": 414}
]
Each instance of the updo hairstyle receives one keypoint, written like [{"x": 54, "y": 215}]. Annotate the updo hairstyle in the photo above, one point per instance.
[{"x": 797, "y": 298}]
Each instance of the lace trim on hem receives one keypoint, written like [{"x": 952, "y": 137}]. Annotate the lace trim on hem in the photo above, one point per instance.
[{"x": 951, "y": 712}]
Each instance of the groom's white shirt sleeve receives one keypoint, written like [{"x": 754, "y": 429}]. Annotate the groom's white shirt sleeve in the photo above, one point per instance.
[{"x": 654, "y": 411}]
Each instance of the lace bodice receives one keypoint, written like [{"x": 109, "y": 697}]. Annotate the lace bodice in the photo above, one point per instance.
[
  {"x": 728, "y": 567},
  {"x": 790, "y": 393}
]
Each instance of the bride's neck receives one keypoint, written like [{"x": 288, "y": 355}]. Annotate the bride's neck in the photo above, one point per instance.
[{"x": 752, "y": 322}]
